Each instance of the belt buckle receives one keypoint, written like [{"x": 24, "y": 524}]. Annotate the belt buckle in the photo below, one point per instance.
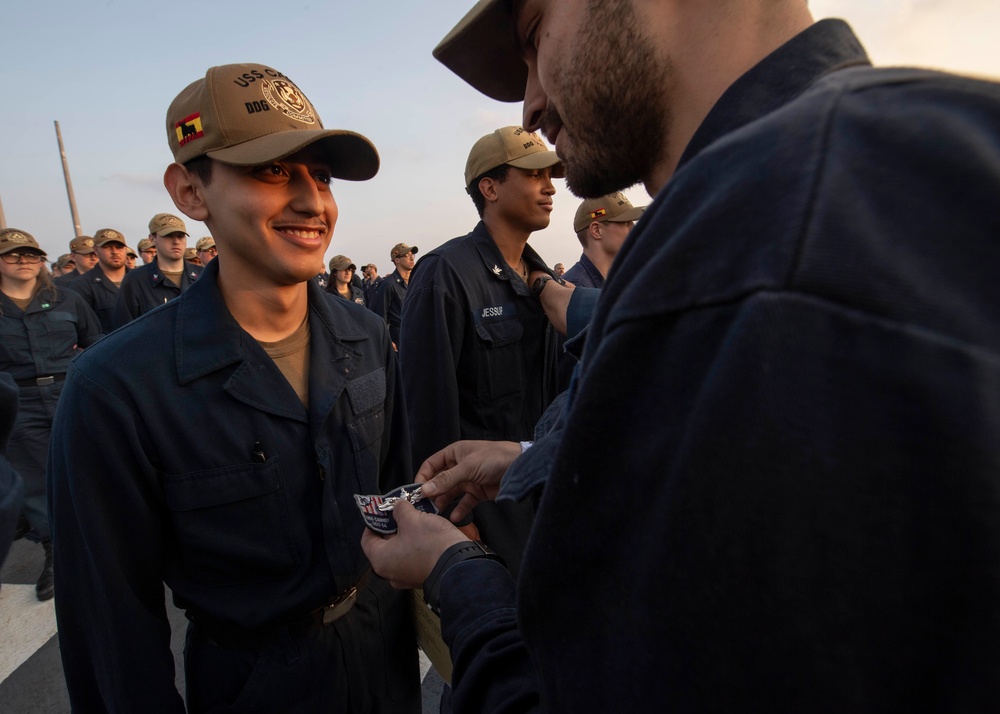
[
  {"x": 45, "y": 381},
  {"x": 341, "y": 606}
]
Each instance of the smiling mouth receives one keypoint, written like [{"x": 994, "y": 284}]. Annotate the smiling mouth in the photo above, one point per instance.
[{"x": 313, "y": 234}]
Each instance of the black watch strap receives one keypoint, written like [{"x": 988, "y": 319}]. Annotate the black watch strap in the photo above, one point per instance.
[
  {"x": 467, "y": 550},
  {"x": 539, "y": 284}
]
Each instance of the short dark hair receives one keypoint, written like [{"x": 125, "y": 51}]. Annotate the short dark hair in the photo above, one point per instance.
[
  {"x": 200, "y": 166},
  {"x": 499, "y": 174}
]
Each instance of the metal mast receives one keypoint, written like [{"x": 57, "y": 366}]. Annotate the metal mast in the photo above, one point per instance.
[{"x": 69, "y": 185}]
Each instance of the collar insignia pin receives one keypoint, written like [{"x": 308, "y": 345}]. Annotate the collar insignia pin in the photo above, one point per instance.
[{"x": 496, "y": 270}]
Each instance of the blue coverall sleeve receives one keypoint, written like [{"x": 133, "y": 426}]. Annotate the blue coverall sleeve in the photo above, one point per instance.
[
  {"x": 107, "y": 532},
  {"x": 493, "y": 672}
]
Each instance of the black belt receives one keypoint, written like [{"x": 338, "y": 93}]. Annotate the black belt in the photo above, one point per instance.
[
  {"x": 238, "y": 638},
  {"x": 40, "y": 381}
]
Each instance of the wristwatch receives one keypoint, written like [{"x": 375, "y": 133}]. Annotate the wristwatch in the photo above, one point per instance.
[
  {"x": 466, "y": 550},
  {"x": 539, "y": 284}
]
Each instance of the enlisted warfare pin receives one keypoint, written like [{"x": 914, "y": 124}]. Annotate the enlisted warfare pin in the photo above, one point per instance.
[{"x": 377, "y": 510}]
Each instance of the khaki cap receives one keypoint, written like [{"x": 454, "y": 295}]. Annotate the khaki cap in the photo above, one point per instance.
[
  {"x": 613, "y": 208},
  {"x": 341, "y": 262},
  {"x": 401, "y": 249},
  {"x": 190, "y": 254},
  {"x": 108, "y": 235},
  {"x": 250, "y": 114},
  {"x": 204, "y": 243},
  {"x": 510, "y": 145},
  {"x": 14, "y": 238},
  {"x": 82, "y": 245},
  {"x": 64, "y": 260},
  {"x": 129, "y": 251},
  {"x": 163, "y": 224},
  {"x": 481, "y": 50},
  {"x": 146, "y": 244}
]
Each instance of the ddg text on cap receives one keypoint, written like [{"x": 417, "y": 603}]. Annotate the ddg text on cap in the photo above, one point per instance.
[
  {"x": 511, "y": 145},
  {"x": 251, "y": 114}
]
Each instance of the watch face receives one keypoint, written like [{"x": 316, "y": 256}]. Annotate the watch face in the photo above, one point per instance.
[{"x": 377, "y": 510}]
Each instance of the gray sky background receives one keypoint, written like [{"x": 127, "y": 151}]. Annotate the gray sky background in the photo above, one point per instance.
[{"x": 107, "y": 71}]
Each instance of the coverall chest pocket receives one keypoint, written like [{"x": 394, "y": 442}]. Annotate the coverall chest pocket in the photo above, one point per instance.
[
  {"x": 61, "y": 333},
  {"x": 498, "y": 359},
  {"x": 232, "y": 524},
  {"x": 366, "y": 395}
]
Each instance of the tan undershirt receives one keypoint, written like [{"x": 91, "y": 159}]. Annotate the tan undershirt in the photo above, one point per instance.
[
  {"x": 21, "y": 303},
  {"x": 175, "y": 278},
  {"x": 291, "y": 355}
]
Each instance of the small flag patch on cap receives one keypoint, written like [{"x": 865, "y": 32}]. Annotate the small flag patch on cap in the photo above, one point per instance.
[
  {"x": 189, "y": 129},
  {"x": 599, "y": 213}
]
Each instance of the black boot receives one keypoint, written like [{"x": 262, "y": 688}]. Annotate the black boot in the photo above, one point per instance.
[{"x": 45, "y": 588}]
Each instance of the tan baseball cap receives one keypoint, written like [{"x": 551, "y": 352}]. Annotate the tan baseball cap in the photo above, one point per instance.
[
  {"x": 82, "y": 245},
  {"x": 401, "y": 249},
  {"x": 163, "y": 224},
  {"x": 14, "y": 238},
  {"x": 108, "y": 235},
  {"x": 146, "y": 244},
  {"x": 204, "y": 243},
  {"x": 613, "y": 208},
  {"x": 64, "y": 260},
  {"x": 510, "y": 145},
  {"x": 250, "y": 114},
  {"x": 341, "y": 262},
  {"x": 129, "y": 251},
  {"x": 190, "y": 254},
  {"x": 481, "y": 50}
]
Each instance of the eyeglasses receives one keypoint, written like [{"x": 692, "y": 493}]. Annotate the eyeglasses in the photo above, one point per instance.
[{"x": 14, "y": 258}]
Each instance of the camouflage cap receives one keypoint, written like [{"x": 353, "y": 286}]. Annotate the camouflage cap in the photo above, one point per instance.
[
  {"x": 81, "y": 245},
  {"x": 163, "y": 224},
  {"x": 15, "y": 238},
  {"x": 510, "y": 145},
  {"x": 251, "y": 114},
  {"x": 108, "y": 235}
]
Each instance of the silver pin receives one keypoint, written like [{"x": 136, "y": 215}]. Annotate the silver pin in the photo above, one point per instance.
[{"x": 410, "y": 497}]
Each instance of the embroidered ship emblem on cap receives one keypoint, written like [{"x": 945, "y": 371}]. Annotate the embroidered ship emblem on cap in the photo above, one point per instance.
[{"x": 287, "y": 99}]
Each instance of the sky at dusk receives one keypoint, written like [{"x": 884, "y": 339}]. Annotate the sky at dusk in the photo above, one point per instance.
[{"x": 107, "y": 71}]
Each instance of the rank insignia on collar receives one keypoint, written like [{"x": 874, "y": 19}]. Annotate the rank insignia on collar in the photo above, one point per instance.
[{"x": 496, "y": 271}]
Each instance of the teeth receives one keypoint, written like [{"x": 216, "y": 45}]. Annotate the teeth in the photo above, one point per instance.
[{"x": 303, "y": 234}]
